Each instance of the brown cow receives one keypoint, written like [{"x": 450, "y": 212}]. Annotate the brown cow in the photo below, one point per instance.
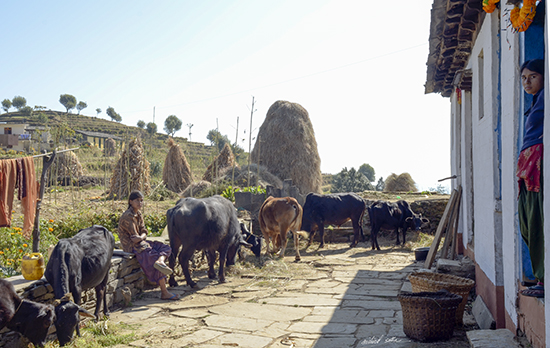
[{"x": 277, "y": 216}]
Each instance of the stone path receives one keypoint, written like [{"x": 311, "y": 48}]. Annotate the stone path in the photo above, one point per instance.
[{"x": 334, "y": 298}]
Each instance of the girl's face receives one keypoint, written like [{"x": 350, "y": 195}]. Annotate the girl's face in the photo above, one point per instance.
[
  {"x": 532, "y": 81},
  {"x": 136, "y": 203}
]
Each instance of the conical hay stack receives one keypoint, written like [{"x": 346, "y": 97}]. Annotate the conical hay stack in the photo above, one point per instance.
[
  {"x": 287, "y": 146},
  {"x": 176, "y": 173},
  {"x": 259, "y": 176},
  {"x": 225, "y": 159},
  {"x": 400, "y": 183},
  {"x": 195, "y": 189},
  {"x": 131, "y": 172},
  {"x": 109, "y": 149},
  {"x": 67, "y": 164}
]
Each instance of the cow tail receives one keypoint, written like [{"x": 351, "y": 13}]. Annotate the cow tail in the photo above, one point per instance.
[
  {"x": 260, "y": 215},
  {"x": 297, "y": 221}
]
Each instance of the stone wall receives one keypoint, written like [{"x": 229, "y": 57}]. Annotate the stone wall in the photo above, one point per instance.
[{"x": 126, "y": 279}]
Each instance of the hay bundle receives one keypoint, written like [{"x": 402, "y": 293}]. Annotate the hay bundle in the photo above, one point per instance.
[
  {"x": 177, "y": 172},
  {"x": 131, "y": 172},
  {"x": 109, "y": 149},
  {"x": 259, "y": 176},
  {"x": 195, "y": 189},
  {"x": 287, "y": 147},
  {"x": 221, "y": 164},
  {"x": 400, "y": 183},
  {"x": 67, "y": 164}
]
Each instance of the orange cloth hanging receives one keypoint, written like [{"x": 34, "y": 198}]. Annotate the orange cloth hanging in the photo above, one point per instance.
[
  {"x": 8, "y": 178},
  {"x": 29, "y": 187}
]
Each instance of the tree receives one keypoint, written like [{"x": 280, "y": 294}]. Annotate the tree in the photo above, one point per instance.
[
  {"x": 26, "y": 111},
  {"x": 380, "y": 185},
  {"x": 113, "y": 114},
  {"x": 81, "y": 106},
  {"x": 217, "y": 139},
  {"x": 367, "y": 171},
  {"x": 141, "y": 124},
  {"x": 172, "y": 124},
  {"x": 400, "y": 183},
  {"x": 97, "y": 112},
  {"x": 19, "y": 102},
  {"x": 151, "y": 128},
  {"x": 6, "y": 104},
  {"x": 350, "y": 181},
  {"x": 68, "y": 101}
]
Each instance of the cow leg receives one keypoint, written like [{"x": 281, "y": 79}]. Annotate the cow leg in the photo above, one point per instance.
[
  {"x": 223, "y": 257},
  {"x": 184, "y": 257},
  {"x": 283, "y": 237},
  {"x": 404, "y": 232},
  {"x": 374, "y": 237},
  {"x": 175, "y": 244},
  {"x": 211, "y": 256},
  {"x": 397, "y": 234},
  {"x": 322, "y": 235},
  {"x": 311, "y": 235},
  {"x": 296, "y": 245}
]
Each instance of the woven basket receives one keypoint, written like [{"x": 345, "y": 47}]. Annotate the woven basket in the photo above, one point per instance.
[
  {"x": 429, "y": 316},
  {"x": 431, "y": 282}
]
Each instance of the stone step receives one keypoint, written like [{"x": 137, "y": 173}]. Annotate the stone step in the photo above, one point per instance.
[{"x": 501, "y": 338}]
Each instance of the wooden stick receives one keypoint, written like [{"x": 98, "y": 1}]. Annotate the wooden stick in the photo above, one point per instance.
[
  {"x": 448, "y": 231},
  {"x": 442, "y": 224},
  {"x": 455, "y": 224},
  {"x": 46, "y": 163}
]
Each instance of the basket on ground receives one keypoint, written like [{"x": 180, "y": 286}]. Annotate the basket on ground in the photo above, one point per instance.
[
  {"x": 432, "y": 282},
  {"x": 429, "y": 316}
]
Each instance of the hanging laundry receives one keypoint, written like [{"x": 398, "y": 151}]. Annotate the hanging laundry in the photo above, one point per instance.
[
  {"x": 29, "y": 189},
  {"x": 8, "y": 178}
]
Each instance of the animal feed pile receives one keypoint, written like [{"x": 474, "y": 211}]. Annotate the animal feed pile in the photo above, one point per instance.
[
  {"x": 177, "y": 172},
  {"x": 131, "y": 172},
  {"x": 109, "y": 149},
  {"x": 221, "y": 164},
  {"x": 67, "y": 165}
]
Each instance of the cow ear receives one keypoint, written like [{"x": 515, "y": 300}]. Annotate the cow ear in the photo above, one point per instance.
[
  {"x": 408, "y": 219},
  {"x": 424, "y": 220},
  {"x": 85, "y": 313}
]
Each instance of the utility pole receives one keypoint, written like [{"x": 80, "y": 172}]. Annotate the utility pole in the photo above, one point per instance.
[
  {"x": 153, "y": 114},
  {"x": 190, "y": 125},
  {"x": 250, "y": 139}
]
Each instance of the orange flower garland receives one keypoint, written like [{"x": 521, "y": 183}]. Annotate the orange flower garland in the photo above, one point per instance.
[
  {"x": 522, "y": 18},
  {"x": 489, "y": 5}
]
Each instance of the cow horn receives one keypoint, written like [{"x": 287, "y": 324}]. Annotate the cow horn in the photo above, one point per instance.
[
  {"x": 248, "y": 245},
  {"x": 85, "y": 313}
]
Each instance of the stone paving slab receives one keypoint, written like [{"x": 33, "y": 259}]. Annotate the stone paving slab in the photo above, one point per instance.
[{"x": 261, "y": 311}]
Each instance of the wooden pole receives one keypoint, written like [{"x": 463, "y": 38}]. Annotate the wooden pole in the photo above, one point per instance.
[{"x": 46, "y": 163}]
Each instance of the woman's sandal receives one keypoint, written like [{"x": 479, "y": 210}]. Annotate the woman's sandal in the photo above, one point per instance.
[
  {"x": 534, "y": 291},
  {"x": 162, "y": 268}
]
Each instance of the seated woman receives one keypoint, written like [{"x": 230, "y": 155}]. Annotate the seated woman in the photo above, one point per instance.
[{"x": 150, "y": 255}]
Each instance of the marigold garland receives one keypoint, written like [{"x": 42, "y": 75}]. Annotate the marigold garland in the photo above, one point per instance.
[
  {"x": 522, "y": 18},
  {"x": 489, "y": 5}
]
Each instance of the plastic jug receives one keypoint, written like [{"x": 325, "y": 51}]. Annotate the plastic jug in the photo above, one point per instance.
[{"x": 32, "y": 266}]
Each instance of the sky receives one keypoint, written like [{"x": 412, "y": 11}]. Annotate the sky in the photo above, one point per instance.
[{"x": 358, "y": 67}]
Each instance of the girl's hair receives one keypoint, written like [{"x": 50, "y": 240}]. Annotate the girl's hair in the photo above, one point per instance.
[
  {"x": 536, "y": 65},
  {"x": 133, "y": 195}
]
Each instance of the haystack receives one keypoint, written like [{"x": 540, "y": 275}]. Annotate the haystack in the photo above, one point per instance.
[
  {"x": 195, "y": 189},
  {"x": 177, "y": 172},
  {"x": 110, "y": 148},
  {"x": 221, "y": 164},
  {"x": 67, "y": 165},
  {"x": 286, "y": 146},
  {"x": 131, "y": 172},
  {"x": 400, "y": 183},
  {"x": 259, "y": 176}
]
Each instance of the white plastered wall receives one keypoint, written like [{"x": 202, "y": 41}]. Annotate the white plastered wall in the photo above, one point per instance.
[{"x": 510, "y": 106}]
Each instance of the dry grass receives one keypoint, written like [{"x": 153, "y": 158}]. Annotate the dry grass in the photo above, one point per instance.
[
  {"x": 176, "y": 173},
  {"x": 224, "y": 162},
  {"x": 286, "y": 146},
  {"x": 131, "y": 172}
]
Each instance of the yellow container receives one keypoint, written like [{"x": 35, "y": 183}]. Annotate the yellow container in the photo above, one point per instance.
[{"x": 32, "y": 266}]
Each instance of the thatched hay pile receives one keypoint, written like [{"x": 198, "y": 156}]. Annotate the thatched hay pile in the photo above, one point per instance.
[
  {"x": 177, "y": 172},
  {"x": 195, "y": 189},
  {"x": 400, "y": 183},
  {"x": 259, "y": 176},
  {"x": 131, "y": 172},
  {"x": 287, "y": 147},
  {"x": 67, "y": 164},
  {"x": 221, "y": 164},
  {"x": 110, "y": 148}
]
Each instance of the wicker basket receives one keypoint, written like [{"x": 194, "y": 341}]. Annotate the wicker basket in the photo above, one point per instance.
[
  {"x": 431, "y": 282},
  {"x": 429, "y": 316}
]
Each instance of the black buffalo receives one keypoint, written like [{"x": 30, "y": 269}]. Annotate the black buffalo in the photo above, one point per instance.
[
  {"x": 252, "y": 239},
  {"x": 393, "y": 216},
  {"x": 31, "y": 319},
  {"x": 333, "y": 209},
  {"x": 209, "y": 224},
  {"x": 77, "y": 264}
]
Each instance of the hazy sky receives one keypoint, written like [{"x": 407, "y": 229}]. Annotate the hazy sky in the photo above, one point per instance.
[{"x": 357, "y": 66}]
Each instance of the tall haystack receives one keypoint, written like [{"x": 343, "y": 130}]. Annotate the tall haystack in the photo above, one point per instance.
[
  {"x": 400, "y": 183},
  {"x": 221, "y": 164},
  {"x": 286, "y": 146},
  {"x": 177, "y": 172},
  {"x": 131, "y": 172},
  {"x": 110, "y": 148},
  {"x": 66, "y": 164}
]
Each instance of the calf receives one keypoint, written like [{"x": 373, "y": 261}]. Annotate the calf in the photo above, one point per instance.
[
  {"x": 77, "y": 264},
  {"x": 31, "y": 319},
  {"x": 209, "y": 224},
  {"x": 277, "y": 216},
  {"x": 333, "y": 209},
  {"x": 253, "y": 240},
  {"x": 386, "y": 215}
]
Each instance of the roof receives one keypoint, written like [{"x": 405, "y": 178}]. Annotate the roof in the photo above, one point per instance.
[
  {"x": 453, "y": 30},
  {"x": 98, "y": 135}
]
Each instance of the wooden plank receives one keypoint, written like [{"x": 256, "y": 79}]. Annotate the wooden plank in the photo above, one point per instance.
[
  {"x": 442, "y": 224},
  {"x": 455, "y": 223},
  {"x": 449, "y": 232}
]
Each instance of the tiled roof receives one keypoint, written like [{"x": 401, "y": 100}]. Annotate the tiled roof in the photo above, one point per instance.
[
  {"x": 453, "y": 30},
  {"x": 98, "y": 135}
]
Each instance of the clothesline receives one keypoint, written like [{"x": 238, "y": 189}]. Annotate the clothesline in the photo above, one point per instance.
[{"x": 49, "y": 153}]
